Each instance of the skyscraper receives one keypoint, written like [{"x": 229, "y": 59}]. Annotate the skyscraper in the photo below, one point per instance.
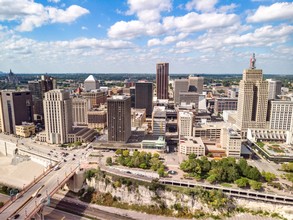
[
  {"x": 252, "y": 99},
  {"x": 58, "y": 116},
  {"x": 17, "y": 107},
  {"x": 144, "y": 96},
  {"x": 197, "y": 82},
  {"x": 180, "y": 85},
  {"x": 80, "y": 107},
  {"x": 119, "y": 118},
  {"x": 38, "y": 89},
  {"x": 274, "y": 88},
  {"x": 91, "y": 83},
  {"x": 162, "y": 80}
]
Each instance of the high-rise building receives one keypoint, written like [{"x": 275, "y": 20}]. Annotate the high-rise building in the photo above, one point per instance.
[
  {"x": 197, "y": 82},
  {"x": 91, "y": 83},
  {"x": 80, "y": 107},
  {"x": 132, "y": 96},
  {"x": 180, "y": 85},
  {"x": 162, "y": 80},
  {"x": 38, "y": 89},
  {"x": 185, "y": 123},
  {"x": 281, "y": 115},
  {"x": 144, "y": 97},
  {"x": 252, "y": 99},
  {"x": 17, "y": 107},
  {"x": 58, "y": 116},
  {"x": 274, "y": 88},
  {"x": 119, "y": 118}
]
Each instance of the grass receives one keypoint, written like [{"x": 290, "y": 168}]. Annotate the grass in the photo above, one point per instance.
[
  {"x": 260, "y": 144},
  {"x": 226, "y": 185}
]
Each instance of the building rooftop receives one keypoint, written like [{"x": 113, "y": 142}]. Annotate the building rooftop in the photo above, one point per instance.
[{"x": 91, "y": 78}]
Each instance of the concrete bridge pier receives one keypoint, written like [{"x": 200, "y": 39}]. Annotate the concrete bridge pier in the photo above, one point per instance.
[{"x": 75, "y": 183}]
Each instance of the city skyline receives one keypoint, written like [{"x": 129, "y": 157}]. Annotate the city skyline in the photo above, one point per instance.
[{"x": 194, "y": 36}]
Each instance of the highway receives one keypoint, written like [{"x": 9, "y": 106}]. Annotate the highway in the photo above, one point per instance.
[{"x": 26, "y": 205}]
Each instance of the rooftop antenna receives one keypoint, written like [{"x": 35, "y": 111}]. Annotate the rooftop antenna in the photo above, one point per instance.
[{"x": 252, "y": 61}]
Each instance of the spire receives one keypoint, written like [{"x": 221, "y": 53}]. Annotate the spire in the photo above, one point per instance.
[{"x": 252, "y": 61}]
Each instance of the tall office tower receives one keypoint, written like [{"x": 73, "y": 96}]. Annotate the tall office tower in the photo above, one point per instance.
[
  {"x": 162, "y": 80},
  {"x": 38, "y": 89},
  {"x": 119, "y": 118},
  {"x": 159, "y": 120},
  {"x": 274, "y": 88},
  {"x": 80, "y": 107},
  {"x": 180, "y": 85},
  {"x": 185, "y": 122},
  {"x": 132, "y": 96},
  {"x": 197, "y": 82},
  {"x": 17, "y": 107},
  {"x": 252, "y": 99},
  {"x": 281, "y": 115},
  {"x": 144, "y": 96},
  {"x": 58, "y": 116},
  {"x": 91, "y": 83}
]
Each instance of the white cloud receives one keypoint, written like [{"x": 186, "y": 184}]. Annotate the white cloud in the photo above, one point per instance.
[
  {"x": 201, "y": 5},
  {"x": 54, "y": 1},
  {"x": 31, "y": 14},
  {"x": 84, "y": 28},
  {"x": 277, "y": 11},
  {"x": 148, "y": 10},
  {"x": 135, "y": 28},
  {"x": 193, "y": 22},
  {"x": 166, "y": 40}
]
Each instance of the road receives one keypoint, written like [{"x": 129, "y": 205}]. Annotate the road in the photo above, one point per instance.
[{"x": 51, "y": 182}]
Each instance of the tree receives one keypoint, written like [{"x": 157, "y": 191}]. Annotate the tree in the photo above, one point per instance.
[
  {"x": 255, "y": 185},
  {"x": 254, "y": 174},
  {"x": 191, "y": 156},
  {"x": 109, "y": 161},
  {"x": 125, "y": 153},
  {"x": 269, "y": 177},
  {"x": 90, "y": 173},
  {"x": 212, "y": 178},
  {"x": 288, "y": 167},
  {"x": 118, "y": 152},
  {"x": 242, "y": 182},
  {"x": 161, "y": 172},
  {"x": 156, "y": 155}
]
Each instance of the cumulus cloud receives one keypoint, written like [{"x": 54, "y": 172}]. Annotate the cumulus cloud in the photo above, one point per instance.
[
  {"x": 135, "y": 28},
  {"x": 148, "y": 10},
  {"x": 277, "y": 11},
  {"x": 31, "y": 14},
  {"x": 166, "y": 40},
  {"x": 201, "y": 5},
  {"x": 192, "y": 21},
  {"x": 54, "y": 1}
]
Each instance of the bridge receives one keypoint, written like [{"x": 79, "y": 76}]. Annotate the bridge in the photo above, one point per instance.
[
  {"x": 239, "y": 193},
  {"x": 32, "y": 199}
]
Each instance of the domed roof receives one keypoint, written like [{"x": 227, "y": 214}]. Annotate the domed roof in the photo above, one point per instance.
[{"x": 91, "y": 78}]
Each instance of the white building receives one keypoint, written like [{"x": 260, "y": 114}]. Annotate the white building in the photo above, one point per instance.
[
  {"x": 190, "y": 145},
  {"x": 185, "y": 121},
  {"x": 80, "y": 107},
  {"x": 231, "y": 141},
  {"x": 274, "y": 88},
  {"x": 58, "y": 116},
  {"x": 91, "y": 83},
  {"x": 281, "y": 115}
]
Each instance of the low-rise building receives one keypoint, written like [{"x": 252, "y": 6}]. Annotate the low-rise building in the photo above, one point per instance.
[
  {"x": 25, "y": 130},
  {"x": 159, "y": 121},
  {"x": 159, "y": 144},
  {"x": 97, "y": 119},
  {"x": 138, "y": 117},
  {"x": 189, "y": 145},
  {"x": 209, "y": 131},
  {"x": 222, "y": 104}
]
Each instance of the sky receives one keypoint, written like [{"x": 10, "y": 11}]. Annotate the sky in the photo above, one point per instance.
[{"x": 131, "y": 36}]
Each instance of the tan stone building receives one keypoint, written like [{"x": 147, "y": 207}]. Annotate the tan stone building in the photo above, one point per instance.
[
  {"x": 25, "y": 130},
  {"x": 252, "y": 100},
  {"x": 58, "y": 116}
]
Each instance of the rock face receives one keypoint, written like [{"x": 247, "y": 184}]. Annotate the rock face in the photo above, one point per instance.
[{"x": 141, "y": 195}]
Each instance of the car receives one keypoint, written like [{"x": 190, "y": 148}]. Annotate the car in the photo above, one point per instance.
[
  {"x": 73, "y": 158},
  {"x": 16, "y": 216},
  {"x": 128, "y": 172},
  {"x": 65, "y": 160},
  {"x": 49, "y": 154},
  {"x": 74, "y": 155},
  {"x": 39, "y": 194}
]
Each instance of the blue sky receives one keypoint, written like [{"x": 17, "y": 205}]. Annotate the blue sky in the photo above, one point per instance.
[{"x": 131, "y": 36}]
